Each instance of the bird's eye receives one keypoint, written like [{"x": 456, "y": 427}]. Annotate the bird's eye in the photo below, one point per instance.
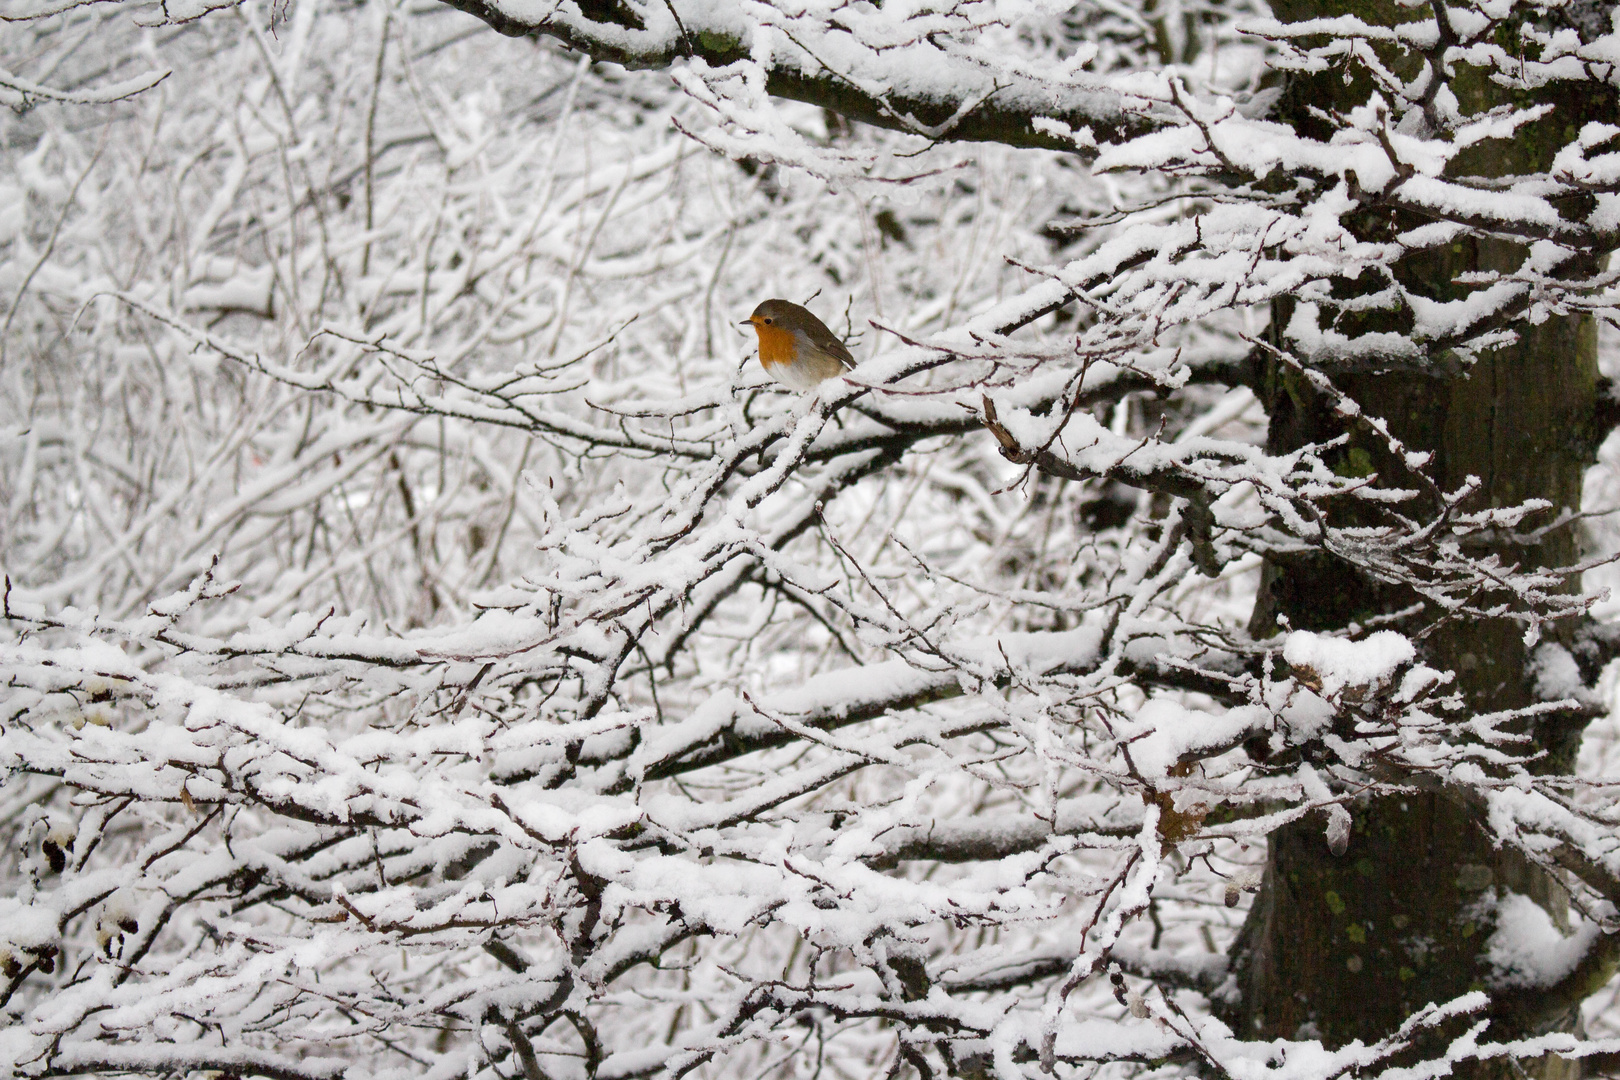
[{"x": 770, "y": 322}]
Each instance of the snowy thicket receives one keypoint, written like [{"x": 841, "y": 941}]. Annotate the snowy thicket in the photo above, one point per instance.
[{"x": 433, "y": 647}]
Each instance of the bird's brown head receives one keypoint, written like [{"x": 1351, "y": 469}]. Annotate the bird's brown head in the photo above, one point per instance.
[{"x": 783, "y": 315}]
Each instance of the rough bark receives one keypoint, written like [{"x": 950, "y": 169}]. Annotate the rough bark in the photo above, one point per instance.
[{"x": 1346, "y": 947}]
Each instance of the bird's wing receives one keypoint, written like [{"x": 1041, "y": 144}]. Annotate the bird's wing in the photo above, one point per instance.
[{"x": 828, "y": 342}]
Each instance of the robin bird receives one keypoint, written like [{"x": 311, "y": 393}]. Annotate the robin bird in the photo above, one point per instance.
[{"x": 796, "y": 348}]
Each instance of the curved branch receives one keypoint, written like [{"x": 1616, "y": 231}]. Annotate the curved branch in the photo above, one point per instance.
[{"x": 919, "y": 88}]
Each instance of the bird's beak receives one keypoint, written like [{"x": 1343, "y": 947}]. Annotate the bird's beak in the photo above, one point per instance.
[{"x": 747, "y": 322}]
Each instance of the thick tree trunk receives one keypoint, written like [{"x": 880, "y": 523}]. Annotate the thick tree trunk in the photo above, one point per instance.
[
  {"x": 1343, "y": 948},
  {"x": 1347, "y": 947}
]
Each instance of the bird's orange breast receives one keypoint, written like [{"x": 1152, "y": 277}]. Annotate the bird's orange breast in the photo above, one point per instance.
[{"x": 776, "y": 346}]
